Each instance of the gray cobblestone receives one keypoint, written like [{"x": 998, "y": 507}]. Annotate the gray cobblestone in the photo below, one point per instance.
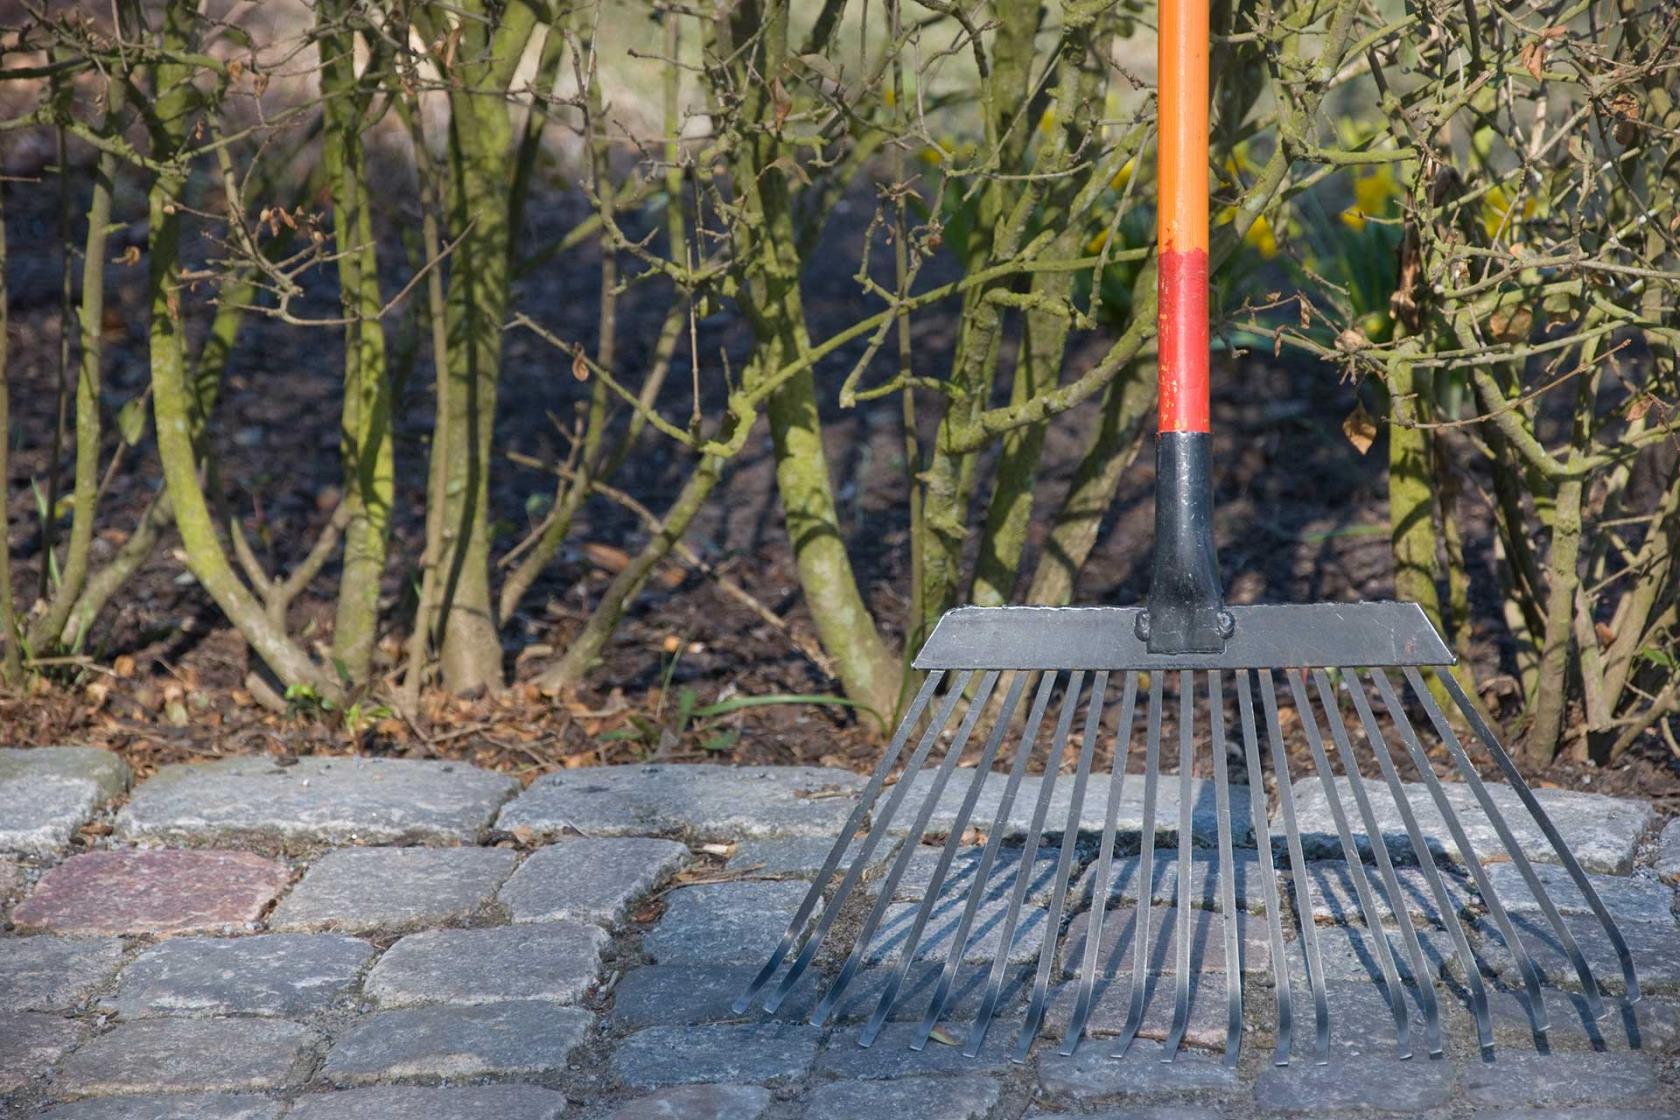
[
  {"x": 188, "y": 1055},
  {"x": 47, "y": 793},
  {"x": 173, "y": 1106},
  {"x": 1117, "y": 948},
  {"x": 959, "y": 877},
  {"x": 54, "y": 973},
  {"x": 1335, "y": 900},
  {"x": 802, "y": 857},
  {"x": 1148, "y": 1112},
  {"x": 555, "y": 961},
  {"x": 393, "y": 890},
  {"x": 723, "y": 923},
  {"x": 1668, "y": 852},
  {"x": 398, "y": 1102},
  {"x": 985, "y": 939},
  {"x": 1204, "y": 880},
  {"x": 276, "y": 974},
  {"x": 1092, "y": 1074},
  {"x": 1655, "y": 948},
  {"x": 1556, "y": 1079},
  {"x": 698, "y": 1102},
  {"x": 315, "y": 801},
  {"x": 1129, "y": 823},
  {"x": 925, "y": 1098},
  {"x": 730, "y": 1054},
  {"x": 1627, "y": 899},
  {"x": 431, "y": 1043},
  {"x": 693, "y": 802},
  {"x": 1373, "y": 1083},
  {"x": 890, "y": 1055},
  {"x": 30, "y": 1042},
  {"x": 1601, "y": 831},
  {"x": 590, "y": 880}
]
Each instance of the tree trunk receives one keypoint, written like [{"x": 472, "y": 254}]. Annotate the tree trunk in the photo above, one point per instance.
[{"x": 365, "y": 434}]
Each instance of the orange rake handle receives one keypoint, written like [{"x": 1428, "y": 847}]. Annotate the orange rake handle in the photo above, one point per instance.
[{"x": 1182, "y": 219}]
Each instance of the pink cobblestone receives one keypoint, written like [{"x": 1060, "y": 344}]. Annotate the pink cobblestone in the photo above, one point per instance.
[{"x": 158, "y": 892}]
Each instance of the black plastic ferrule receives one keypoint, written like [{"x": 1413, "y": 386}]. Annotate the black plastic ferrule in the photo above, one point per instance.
[{"x": 1186, "y": 611}]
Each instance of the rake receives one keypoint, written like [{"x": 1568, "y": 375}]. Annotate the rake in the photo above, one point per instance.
[{"x": 1184, "y": 634}]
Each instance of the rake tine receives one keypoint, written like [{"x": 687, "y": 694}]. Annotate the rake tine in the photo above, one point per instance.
[
  {"x": 1064, "y": 870},
  {"x": 1227, "y": 873},
  {"x": 977, "y": 889},
  {"x": 1268, "y": 873},
  {"x": 1589, "y": 985},
  {"x": 1385, "y": 865},
  {"x": 876, "y": 832},
  {"x": 1573, "y": 866},
  {"x": 1146, "y": 875},
  {"x": 1186, "y": 767},
  {"x": 952, "y": 841},
  {"x": 1023, "y": 873},
  {"x": 1099, "y": 885},
  {"x": 1466, "y": 851},
  {"x": 1298, "y": 869},
  {"x": 1356, "y": 869},
  {"x": 1426, "y": 860},
  {"x": 871, "y": 792},
  {"x": 884, "y": 898}
]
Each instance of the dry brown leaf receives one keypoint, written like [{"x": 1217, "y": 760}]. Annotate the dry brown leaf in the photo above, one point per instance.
[
  {"x": 607, "y": 556},
  {"x": 1533, "y": 58},
  {"x": 1360, "y": 429},
  {"x": 580, "y": 366}
]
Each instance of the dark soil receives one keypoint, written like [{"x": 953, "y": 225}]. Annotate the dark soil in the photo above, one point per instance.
[{"x": 1301, "y": 517}]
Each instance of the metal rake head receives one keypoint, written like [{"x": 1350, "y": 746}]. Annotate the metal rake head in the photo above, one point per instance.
[{"x": 1095, "y": 659}]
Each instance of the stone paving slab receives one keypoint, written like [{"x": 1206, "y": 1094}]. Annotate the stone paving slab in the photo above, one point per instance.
[
  {"x": 965, "y": 862},
  {"x": 1602, "y": 831},
  {"x": 924, "y": 1098},
  {"x": 802, "y": 857},
  {"x": 1204, "y": 826},
  {"x": 1147, "y": 1112},
  {"x": 746, "y": 1053},
  {"x": 698, "y": 1102},
  {"x": 1348, "y": 953},
  {"x": 691, "y": 802},
  {"x": 315, "y": 801},
  {"x": 1637, "y": 899},
  {"x": 30, "y": 1042},
  {"x": 1655, "y": 949},
  {"x": 274, "y": 974},
  {"x": 54, "y": 973},
  {"x": 393, "y": 890},
  {"x": 1117, "y": 946},
  {"x": 1355, "y": 1083},
  {"x": 1092, "y": 1074},
  {"x": 890, "y": 1055},
  {"x": 723, "y": 923},
  {"x": 1336, "y": 901},
  {"x": 1651, "y": 1025},
  {"x": 172, "y": 1106},
  {"x": 555, "y": 961},
  {"x": 518, "y": 1039},
  {"x": 1124, "y": 880},
  {"x": 398, "y": 1102},
  {"x": 1111, "y": 1006},
  {"x": 1545, "y": 1080},
  {"x": 985, "y": 938},
  {"x": 1668, "y": 853},
  {"x": 590, "y": 880},
  {"x": 47, "y": 793},
  {"x": 160, "y": 892},
  {"x": 188, "y": 1055}
]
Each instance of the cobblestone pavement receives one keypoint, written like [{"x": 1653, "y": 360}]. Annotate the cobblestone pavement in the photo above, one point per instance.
[{"x": 338, "y": 938}]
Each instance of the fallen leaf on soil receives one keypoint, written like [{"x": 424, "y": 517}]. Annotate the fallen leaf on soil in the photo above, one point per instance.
[{"x": 607, "y": 556}]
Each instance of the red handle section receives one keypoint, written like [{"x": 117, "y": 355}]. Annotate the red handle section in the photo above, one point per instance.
[{"x": 1182, "y": 220}]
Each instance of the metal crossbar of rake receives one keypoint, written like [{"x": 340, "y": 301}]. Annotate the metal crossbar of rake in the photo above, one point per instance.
[{"x": 880, "y": 806}]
